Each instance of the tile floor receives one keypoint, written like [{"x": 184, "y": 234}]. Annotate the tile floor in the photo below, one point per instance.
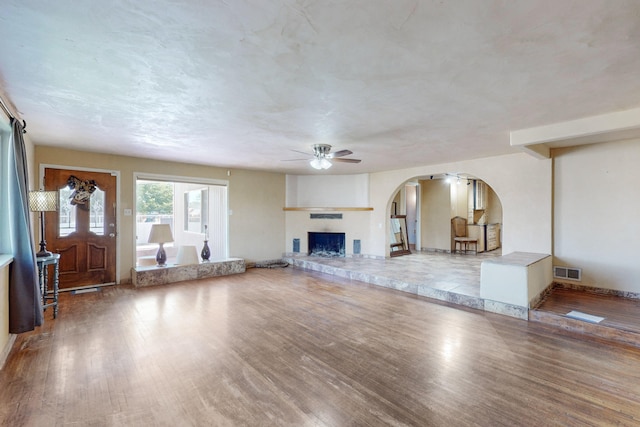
[{"x": 454, "y": 278}]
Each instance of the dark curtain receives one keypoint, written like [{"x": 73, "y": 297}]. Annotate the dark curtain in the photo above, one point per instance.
[{"x": 25, "y": 302}]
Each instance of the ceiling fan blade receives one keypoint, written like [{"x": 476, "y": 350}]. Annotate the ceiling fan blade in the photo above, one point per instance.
[
  {"x": 347, "y": 160},
  {"x": 310, "y": 155},
  {"x": 294, "y": 160},
  {"x": 340, "y": 153}
]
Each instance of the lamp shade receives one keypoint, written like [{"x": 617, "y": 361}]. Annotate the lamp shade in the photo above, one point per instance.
[
  {"x": 43, "y": 201},
  {"x": 160, "y": 233},
  {"x": 187, "y": 255},
  {"x": 320, "y": 163}
]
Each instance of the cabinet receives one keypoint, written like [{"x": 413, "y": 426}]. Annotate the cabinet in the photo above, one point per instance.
[
  {"x": 488, "y": 236},
  {"x": 493, "y": 236},
  {"x": 479, "y": 195}
]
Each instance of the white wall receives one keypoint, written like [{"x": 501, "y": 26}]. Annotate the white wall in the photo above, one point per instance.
[
  {"x": 522, "y": 183},
  {"x": 344, "y": 191},
  {"x": 328, "y": 191},
  {"x": 596, "y": 213},
  {"x": 355, "y": 225}
]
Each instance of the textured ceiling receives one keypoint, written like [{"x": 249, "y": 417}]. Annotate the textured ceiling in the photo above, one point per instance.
[{"x": 241, "y": 84}]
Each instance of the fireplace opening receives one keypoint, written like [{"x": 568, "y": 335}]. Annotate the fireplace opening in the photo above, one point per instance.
[{"x": 326, "y": 244}]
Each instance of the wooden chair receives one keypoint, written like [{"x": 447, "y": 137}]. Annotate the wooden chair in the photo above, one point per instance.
[{"x": 459, "y": 233}]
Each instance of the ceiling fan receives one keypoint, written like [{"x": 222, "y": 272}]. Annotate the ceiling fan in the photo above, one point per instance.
[{"x": 322, "y": 157}]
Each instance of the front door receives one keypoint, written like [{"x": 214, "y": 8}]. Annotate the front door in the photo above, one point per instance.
[{"x": 83, "y": 230}]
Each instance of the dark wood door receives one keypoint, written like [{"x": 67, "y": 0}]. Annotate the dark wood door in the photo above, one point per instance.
[{"x": 83, "y": 230}]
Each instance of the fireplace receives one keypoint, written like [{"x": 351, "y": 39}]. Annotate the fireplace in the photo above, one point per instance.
[{"x": 326, "y": 244}]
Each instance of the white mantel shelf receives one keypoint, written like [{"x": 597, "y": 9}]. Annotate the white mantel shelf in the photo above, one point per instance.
[{"x": 327, "y": 209}]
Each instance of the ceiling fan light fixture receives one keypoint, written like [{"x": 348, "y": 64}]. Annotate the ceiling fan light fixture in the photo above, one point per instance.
[
  {"x": 320, "y": 163},
  {"x": 325, "y": 164}
]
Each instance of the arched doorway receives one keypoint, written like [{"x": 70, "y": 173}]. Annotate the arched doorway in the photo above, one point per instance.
[{"x": 440, "y": 197}]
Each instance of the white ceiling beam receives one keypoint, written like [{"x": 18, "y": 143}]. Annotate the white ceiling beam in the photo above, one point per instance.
[{"x": 616, "y": 126}]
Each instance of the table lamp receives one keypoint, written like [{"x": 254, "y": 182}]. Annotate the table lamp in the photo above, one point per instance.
[
  {"x": 43, "y": 201},
  {"x": 161, "y": 234},
  {"x": 187, "y": 255}
]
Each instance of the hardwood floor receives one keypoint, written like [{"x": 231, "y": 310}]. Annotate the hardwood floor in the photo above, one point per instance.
[
  {"x": 618, "y": 312},
  {"x": 288, "y": 347},
  {"x": 621, "y": 316}
]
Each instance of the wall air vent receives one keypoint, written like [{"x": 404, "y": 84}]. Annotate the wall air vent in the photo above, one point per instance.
[{"x": 567, "y": 273}]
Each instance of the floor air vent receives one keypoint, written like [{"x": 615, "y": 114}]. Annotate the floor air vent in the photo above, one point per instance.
[{"x": 567, "y": 273}]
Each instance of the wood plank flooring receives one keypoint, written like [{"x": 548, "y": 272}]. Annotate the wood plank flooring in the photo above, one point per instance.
[
  {"x": 285, "y": 347},
  {"x": 621, "y": 315}
]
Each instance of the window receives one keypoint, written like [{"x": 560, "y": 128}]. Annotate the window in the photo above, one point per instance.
[
  {"x": 67, "y": 212},
  {"x": 196, "y": 208},
  {"x": 190, "y": 208},
  {"x": 5, "y": 228}
]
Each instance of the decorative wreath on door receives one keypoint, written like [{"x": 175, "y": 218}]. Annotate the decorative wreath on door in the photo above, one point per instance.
[{"x": 82, "y": 191}]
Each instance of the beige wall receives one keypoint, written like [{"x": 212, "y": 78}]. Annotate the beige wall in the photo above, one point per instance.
[
  {"x": 435, "y": 207},
  {"x": 596, "y": 209},
  {"x": 256, "y": 227},
  {"x": 459, "y": 199},
  {"x": 494, "y": 207},
  {"x": 4, "y": 308}
]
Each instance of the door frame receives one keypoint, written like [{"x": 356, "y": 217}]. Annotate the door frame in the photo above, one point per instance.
[
  {"x": 415, "y": 211},
  {"x": 115, "y": 173}
]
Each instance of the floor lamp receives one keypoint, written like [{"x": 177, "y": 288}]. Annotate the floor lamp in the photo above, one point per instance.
[{"x": 43, "y": 201}]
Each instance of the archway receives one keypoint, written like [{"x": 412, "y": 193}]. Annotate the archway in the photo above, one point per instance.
[{"x": 441, "y": 197}]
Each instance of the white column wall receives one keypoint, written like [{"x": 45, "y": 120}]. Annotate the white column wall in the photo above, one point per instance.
[{"x": 596, "y": 210}]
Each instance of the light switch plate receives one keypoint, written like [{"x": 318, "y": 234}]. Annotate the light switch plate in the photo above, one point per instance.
[{"x": 127, "y": 212}]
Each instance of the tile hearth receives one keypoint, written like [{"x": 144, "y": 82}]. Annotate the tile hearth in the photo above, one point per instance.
[{"x": 454, "y": 278}]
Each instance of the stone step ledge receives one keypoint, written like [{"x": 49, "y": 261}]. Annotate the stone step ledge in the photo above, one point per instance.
[{"x": 152, "y": 276}]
